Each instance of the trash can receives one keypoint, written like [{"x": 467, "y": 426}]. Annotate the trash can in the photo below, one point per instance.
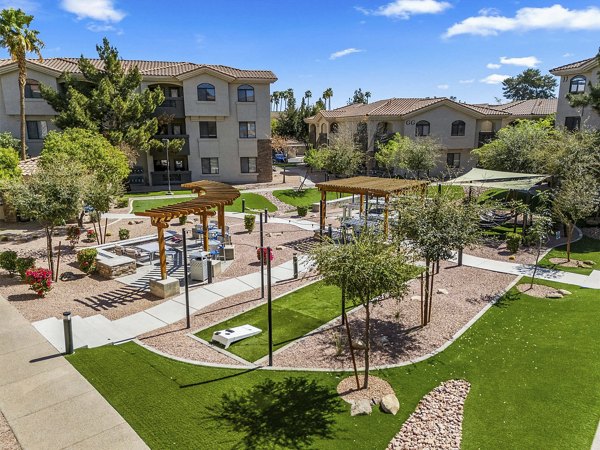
[{"x": 199, "y": 269}]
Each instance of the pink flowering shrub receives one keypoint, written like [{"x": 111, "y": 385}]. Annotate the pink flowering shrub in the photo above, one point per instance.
[
  {"x": 91, "y": 235},
  {"x": 264, "y": 254},
  {"x": 87, "y": 259},
  {"x": 39, "y": 280}
]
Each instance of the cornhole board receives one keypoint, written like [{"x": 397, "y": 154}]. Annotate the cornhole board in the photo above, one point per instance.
[{"x": 231, "y": 335}]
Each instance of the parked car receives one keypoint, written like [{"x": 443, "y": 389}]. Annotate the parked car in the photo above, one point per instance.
[{"x": 280, "y": 158}]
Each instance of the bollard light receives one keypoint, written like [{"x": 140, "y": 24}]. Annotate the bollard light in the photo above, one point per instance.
[
  {"x": 68, "y": 329},
  {"x": 295, "y": 263},
  {"x": 243, "y": 205}
]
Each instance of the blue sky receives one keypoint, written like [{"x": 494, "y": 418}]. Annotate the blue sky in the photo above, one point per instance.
[{"x": 399, "y": 48}]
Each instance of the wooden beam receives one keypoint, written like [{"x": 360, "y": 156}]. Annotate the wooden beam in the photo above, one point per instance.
[
  {"x": 385, "y": 216},
  {"x": 205, "y": 231},
  {"x": 161, "y": 250}
]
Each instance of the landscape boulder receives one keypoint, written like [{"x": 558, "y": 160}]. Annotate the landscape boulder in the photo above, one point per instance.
[
  {"x": 361, "y": 407},
  {"x": 442, "y": 291},
  {"x": 358, "y": 345},
  {"x": 564, "y": 292},
  {"x": 554, "y": 295},
  {"x": 390, "y": 404}
]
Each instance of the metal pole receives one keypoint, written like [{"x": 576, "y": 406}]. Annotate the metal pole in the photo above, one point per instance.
[
  {"x": 185, "y": 279},
  {"x": 166, "y": 143},
  {"x": 295, "y": 263},
  {"x": 243, "y": 205},
  {"x": 209, "y": 270},
  {"x": 266, "y": 215},
  {"x": 269, "y": 306},
  {"x": 68, "y": 328},
  {"x": 262, "y": 259},
  {"x": 330, "y": 231},
  {"x": 343, "y": 305}
]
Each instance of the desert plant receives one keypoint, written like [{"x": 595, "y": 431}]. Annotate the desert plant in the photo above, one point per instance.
[
  {"x": 302, "y": 211},
  {"x": 182, "y": 220},
  {"x": 23, "y": 264},
  {"x": 87, "y": 259},
  {"x": 122, "y": 202},
  {"x": 513, "y": 241},
  {"x": 39, "y": 280},
  {"x": 123, "y": 233},
  {"x": 249, "y": 222},
  {"x": 73, "y": 235},
  {"x": 8, "y": 261},
  {"x": 91, "y": 235}
]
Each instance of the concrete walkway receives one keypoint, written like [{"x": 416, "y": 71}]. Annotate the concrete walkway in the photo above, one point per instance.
[
  {"x": 46, "y": 402},
  {"x": 587, "y": 281},
  {"x": 97, "y": 330}
]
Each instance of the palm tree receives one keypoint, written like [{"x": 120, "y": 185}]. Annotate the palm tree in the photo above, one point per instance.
[
  {"x": 307, "y": 96},
  {"x": 276, "y": 100},
  {"x": 19, "y": 39},
  {"x": 367, "y": 96},
  {"x": 327, "y": 96}
]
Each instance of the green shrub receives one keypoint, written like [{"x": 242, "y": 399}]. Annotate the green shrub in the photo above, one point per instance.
[
  {"x": 8, "y": 261},
  {"x": 302, "y": 211},
  {"x": 87, "y": 259},
  {"x": 123, "y": 233},
  {"x": 513, "y": 241},
  {"x": 73, "y": 235},
  {"x": 122, "y": 202},
  {"x": 23, "y": 264},
  {"x": 182, "y": 220},
  {"x": 529, "y": 240},
  {"x": 249, "y": 222}
]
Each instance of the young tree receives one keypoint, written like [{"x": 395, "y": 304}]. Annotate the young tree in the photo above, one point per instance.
[
  {"x": 411, "y": 155},
  {"x": 342, "y": 156},
  {"x": 576, "y": 199},
  {"x": 528, "y": 85},
  {"x": 19, "y": 39},
  {"x": 540, "y": 231},
  {"x": 109, "y": 101},
  {"x": 51, "y": 196},
  {"x": 367, "y": 270},
  {"x": 9, "y": 164}
]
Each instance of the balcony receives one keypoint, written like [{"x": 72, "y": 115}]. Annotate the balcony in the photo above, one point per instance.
[
  {"x": 485, "y": 137},
  {"x": 172, "y": 106},
  {"x": 177, "y": 177},
  {"x": 185, "y": 150}
]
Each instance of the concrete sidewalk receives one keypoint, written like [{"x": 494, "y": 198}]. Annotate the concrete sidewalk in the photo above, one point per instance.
[{"x": 46, "y": 402}]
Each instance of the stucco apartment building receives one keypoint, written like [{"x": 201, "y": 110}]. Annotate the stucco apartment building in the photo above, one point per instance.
[
  {"x": 574, "y": 79},
  {"x": 460, "y": 127},
  {"x": 221, "y": 112}
]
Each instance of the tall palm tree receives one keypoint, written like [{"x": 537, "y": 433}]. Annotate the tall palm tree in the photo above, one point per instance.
[
  {"x": 367, "y": 96},
  {"x": 327, "y": 96},
  {"x": 19, "y": 39},
  {"x": 307, "y": 96}
]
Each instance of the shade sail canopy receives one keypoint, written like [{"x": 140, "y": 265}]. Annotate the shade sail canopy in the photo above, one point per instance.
[
  {"x": 500, "y": 180},
  {"x": 370, "y": 185}
]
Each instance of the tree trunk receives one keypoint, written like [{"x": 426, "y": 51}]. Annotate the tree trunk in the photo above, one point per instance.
[
  {"x": 570, "y": 228},
  {"x": 80, "y": 219},
  {"x": 345, "y": 316},
  {"x": 537, "y": 260},
  {"x": 22, "y": 82},
  {"x": 425, "y": 294},
  {"x": 460, "y": 256},
  {"x": 367, "y": 344},
  {"x": 49, "y": 231},
  {"x": 430, "y": 296}
]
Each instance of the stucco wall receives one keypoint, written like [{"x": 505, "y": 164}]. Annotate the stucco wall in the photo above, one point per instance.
[{"x": 589, "y": 118}]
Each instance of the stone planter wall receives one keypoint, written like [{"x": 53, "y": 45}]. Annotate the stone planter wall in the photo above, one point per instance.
[{"x": 115, "y": 267}]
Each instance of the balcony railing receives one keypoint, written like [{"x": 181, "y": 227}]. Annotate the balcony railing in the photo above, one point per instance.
[
  {"x": 485, "y": 137},
  {"x": 173, "y": 106},
  {"x": 177, "y": 177}
]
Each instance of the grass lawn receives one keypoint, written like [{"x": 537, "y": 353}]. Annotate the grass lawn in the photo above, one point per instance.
[
  {"x": 253, "y": 201},
  {"x": 584, "y": 249},
  {"x": 154, "y": 194},
  {"x": 502, "y": 230},
  {"x": 294, "y": 315},
  {"x": 455, "y": 192},
  {"x": 533, "y": 365},
  {"x": 305, "y": 197}
]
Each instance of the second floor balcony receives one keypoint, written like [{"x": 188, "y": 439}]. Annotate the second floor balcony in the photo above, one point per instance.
[{"x": 172, "y": 106}]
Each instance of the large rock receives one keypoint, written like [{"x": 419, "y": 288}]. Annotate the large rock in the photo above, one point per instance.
[
  {"x": 589, "y": 262},
  {"x": 361, "y": 407},
  {"x": 390, "y": 404},
  {"x": 442, "y": 291},
  {"x": 564, "y": 292},
  {"x": 554, "y": 295},
  {"x": 415, "y": 298},
  {"x": 358, "y": 345}
]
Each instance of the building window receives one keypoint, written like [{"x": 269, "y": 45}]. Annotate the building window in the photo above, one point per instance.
[
  {"x": 210, "y": 166},
  {"x": 32, "y": 89},
  {"x": 458, "y": 128},
  {"x": 453, "y": 160},
  {"x": 173, "y": 92},
  {"x": 248, "y": 165},
  {"x": 37, "y": 129},
  {"x": 573, "y": 123},
  {"x": 180, "y": 164},
  {"x": 245, "y": 93},
  {"x": 422, "y": 128},
  {"x": 333, "y": 128},
  {"x": 577, "y": 85},
  {"x": 208, "y": 130},
  {"x": 206, "y": 92},
  {"x": 248, "y": 130},
  {"x": 160, "y": 165}
]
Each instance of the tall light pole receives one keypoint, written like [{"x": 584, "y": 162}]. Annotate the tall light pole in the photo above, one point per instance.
[{"x": 166, "y": 144}]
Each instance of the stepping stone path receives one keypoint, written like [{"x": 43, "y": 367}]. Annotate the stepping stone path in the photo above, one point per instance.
[{"x": 437, "y": 421}]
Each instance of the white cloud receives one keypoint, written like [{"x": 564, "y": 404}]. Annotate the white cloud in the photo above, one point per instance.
[
  {"x": 98, "y": 28},
  {"x": 568, "y": 55},
  {"x": 493, "y": 66},
  {"x": 403, "y": 9},
  {"x": 526, "y": 61},
  {"x": 494, "y": 78},
  {"x": 443, "y": 86},
  {"x": 102, "y": 10},
  {"x": 345, "y": 52},
  {"x": 555, "y": 17},
  {"x": 467, "y": 81}
]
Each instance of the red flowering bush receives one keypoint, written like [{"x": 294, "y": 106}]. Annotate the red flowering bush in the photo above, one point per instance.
[
  {"x": 264, "y": 254},
  {"x": 39, "y": 280},
  {"x": 73, "y": 235},
  {"x": 91, "y": 235},
  {"x": 87, "y": 259}
]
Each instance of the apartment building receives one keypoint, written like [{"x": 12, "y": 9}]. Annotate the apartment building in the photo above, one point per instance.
[
  {"x": 460, "y": 127},
  {"x": 221, "y": 112},
  {"x": 575, "y": 79}
]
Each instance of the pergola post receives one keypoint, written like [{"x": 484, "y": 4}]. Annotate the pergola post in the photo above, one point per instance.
[
  {"x": 360, "y": 211},
  {"x": 205, "y": 230},
  {"x": 161, "y": 249},
  {"x": 323, "y": 210},
  {"x": 386, "y": 215},
  {"x": 221, "y": 220}
]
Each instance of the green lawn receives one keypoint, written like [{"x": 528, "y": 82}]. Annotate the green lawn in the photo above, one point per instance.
[
  {"x": 155, "y": 193},
  {"x": 305, "y": 197},
  {"x": 455, "y": 192},
  {"x": 584, "y": 249},
  {"x": 294, "y": 315},
  {"x": 534, "y": 367},
  {"x": 502, "y": 230},
  {"x": 253, "y": 201}
]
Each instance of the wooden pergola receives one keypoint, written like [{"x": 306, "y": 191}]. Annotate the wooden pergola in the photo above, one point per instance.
[
  {"x": 369, "y": 187},
  {"x": 211, "y": 195}
]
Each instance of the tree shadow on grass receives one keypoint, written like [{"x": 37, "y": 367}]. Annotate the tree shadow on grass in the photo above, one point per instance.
[
  {"x": 280, "y": 414},
  {"x": 507, "y": 298}
]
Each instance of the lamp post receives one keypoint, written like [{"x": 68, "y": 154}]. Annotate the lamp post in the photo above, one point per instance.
[{"x": 166, "y": 144}]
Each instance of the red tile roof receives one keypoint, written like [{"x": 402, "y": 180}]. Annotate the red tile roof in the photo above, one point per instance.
[
  {"x": 574, "y": 65},
  {"x": 536, "y": 107}
]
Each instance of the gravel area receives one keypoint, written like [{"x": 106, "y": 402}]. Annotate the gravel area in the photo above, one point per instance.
[
  {"x": 437, "y": 421},
  {"x": 174, "y": 339},
  {"x": 376, "y": 390},
  {"x": 538, "y": 290},
  {"x": 8, "y": 441},
  {"x": 496, "y": 250},
  {"x": 395, "y": 325}
]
